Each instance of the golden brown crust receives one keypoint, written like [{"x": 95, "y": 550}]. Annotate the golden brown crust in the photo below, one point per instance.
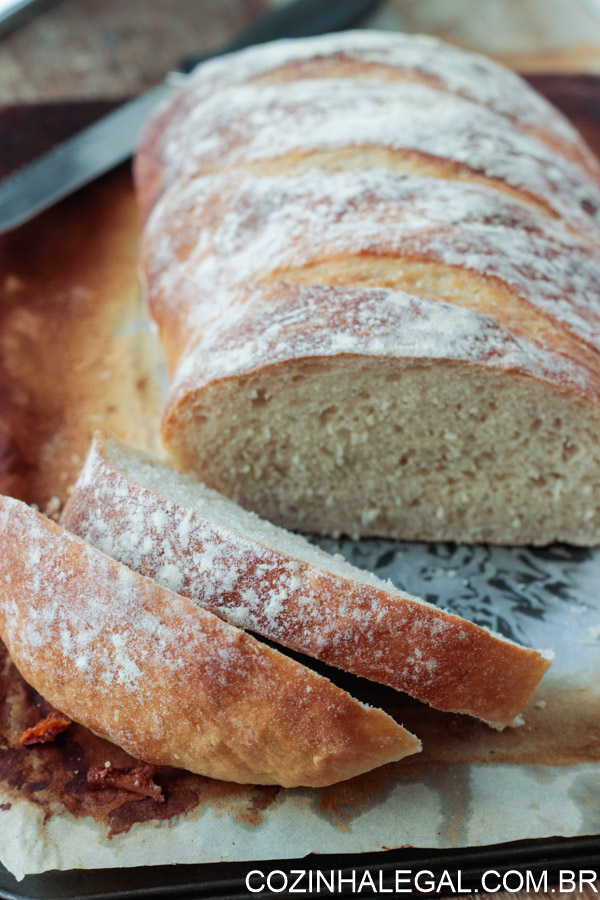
[
  {"x": 390, "y": 638},
  {"x": 164, "y": 679}
]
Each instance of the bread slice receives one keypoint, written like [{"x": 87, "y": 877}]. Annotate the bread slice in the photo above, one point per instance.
[
  {"x": 166, "y": 680},
  {"x": 203, "y": 545}
]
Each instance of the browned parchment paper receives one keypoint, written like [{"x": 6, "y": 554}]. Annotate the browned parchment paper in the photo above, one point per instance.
[{"x": 76, "y": 353}]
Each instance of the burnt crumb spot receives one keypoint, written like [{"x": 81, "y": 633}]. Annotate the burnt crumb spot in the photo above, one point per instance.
[
  {"x": 135, "y": 779},
  {"x": 136, "y": 810},
  {"x": 46, "y": 730}
]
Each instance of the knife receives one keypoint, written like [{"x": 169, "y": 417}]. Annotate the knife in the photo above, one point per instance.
[{"x": 110, "y": 141}]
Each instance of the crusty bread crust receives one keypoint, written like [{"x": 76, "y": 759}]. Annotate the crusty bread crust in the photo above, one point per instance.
[
  {"x": 169, "y": 682},
  {"x": 212, "y": 123},
  {"x": 349, "y": 622}
]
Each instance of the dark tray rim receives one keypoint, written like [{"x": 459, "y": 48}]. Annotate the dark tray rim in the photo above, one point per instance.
[{"x": 227, "y": 881}]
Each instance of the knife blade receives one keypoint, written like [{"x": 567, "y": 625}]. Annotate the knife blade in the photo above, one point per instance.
[{"x": 110, "y": 141}]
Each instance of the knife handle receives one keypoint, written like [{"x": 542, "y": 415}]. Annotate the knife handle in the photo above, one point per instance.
[{"x": 302, "y": 18}]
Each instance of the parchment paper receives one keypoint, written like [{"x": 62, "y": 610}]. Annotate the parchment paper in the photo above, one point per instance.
[{"x": 77, "y": 352}]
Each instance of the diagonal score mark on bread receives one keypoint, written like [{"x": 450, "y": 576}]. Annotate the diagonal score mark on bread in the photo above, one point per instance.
[
  {"x": 563, "y": 139},
  {"x": 494, "y": 256},
  {"x": 168, "y": 681},
  {"x": 366, "y": 157},
  {"x": 173, "y": 529},
  {"x": 462, "y": 95},
  {"x": 277, "y": 127},
  {"x": 453, "y": 284},
  {"x": 371, "y": 55}
]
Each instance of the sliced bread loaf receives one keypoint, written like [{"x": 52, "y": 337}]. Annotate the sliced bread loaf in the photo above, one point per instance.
[{"x": 204, "y": 546}]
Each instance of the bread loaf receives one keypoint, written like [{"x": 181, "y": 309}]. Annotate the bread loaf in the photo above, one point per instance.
[
  {"x": 227, "y": 560},
  {"x": 373, "y": 262},
  {"x": 166, "y": 680}
]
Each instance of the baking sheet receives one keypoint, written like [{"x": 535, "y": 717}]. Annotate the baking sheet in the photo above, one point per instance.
[{"x": 77, "y": 353}]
